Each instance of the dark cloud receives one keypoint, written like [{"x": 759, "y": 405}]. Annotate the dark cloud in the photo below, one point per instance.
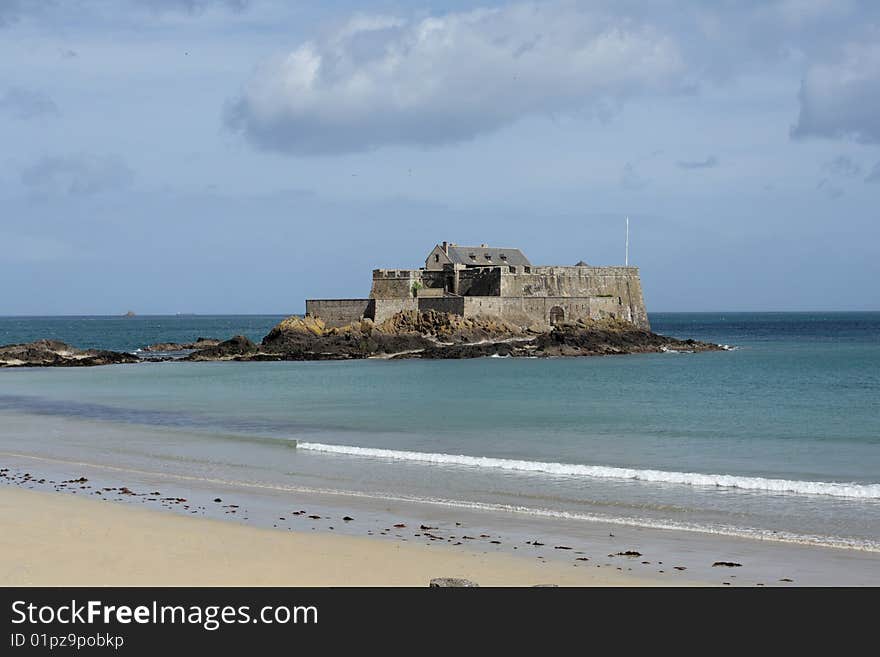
[
  {"x": 12, "y": 11},
  {"x": 20, "y": 103},
  {"x": 77, "y": 175},
  {"x": 631, "y": 179},
  {"x": 829, "y": 188},
  {"x": 709, "y": 163},
  {"x": 192, "y": 6},
  {"x": 841, "y": 99},
  {"x": 843, "y": 166}
]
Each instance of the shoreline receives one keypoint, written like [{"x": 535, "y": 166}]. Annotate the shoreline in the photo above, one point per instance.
[
  {"x": 475, "y": 541},
  {"x": 55, "y": 540}
]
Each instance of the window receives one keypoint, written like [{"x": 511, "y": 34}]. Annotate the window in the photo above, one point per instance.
[
  {"x": 436, "y": 257},
  {"x": 503, "y": 256}
]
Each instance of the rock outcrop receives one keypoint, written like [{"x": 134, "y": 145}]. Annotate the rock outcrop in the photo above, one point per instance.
[
  {"x": 434, "y": 334},
  {"x": 233, "y": 349},
  {"x": 200, "y": 343},
  {"x": 52, "y": 353},
  {"x": 410, "y": 334}
]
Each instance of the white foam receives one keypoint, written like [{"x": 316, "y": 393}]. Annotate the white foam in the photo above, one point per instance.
[
  {"x": 721, "y": 530},
  {"x": 697, "y": 479}
]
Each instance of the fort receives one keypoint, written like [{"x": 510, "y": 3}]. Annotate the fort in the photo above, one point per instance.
[{"x": 498, "y": 282}]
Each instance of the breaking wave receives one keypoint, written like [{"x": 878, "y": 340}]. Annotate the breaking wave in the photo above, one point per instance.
[
  {"x": 721, "y": 530},
  {"x": 697, "y": 479}
]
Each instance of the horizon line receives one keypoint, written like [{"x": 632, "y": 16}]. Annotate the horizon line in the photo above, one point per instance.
[{"x": 288, "y": 314}]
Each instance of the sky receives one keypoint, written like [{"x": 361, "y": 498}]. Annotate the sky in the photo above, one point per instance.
[{"x": 239, "y": 156}]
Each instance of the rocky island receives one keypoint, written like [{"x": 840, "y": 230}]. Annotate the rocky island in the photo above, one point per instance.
[
  {"x": 407, "y": 334},
  {"x": 431, "y": 334},
  {"x": 466, "y": 302}
]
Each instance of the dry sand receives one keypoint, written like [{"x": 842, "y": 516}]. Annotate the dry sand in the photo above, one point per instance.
[{"x": 50, "y": 539}]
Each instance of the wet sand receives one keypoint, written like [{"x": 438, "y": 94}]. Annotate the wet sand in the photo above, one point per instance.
[
  {"x": 67, "y": 523},
  {"x": 52, "y": 539}
]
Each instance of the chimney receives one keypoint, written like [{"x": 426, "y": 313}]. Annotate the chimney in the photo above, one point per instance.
[{"x": 446, "y": 248}]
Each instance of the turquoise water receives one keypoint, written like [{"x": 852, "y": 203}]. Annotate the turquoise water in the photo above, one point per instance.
[{"x": 781, "y": 434}]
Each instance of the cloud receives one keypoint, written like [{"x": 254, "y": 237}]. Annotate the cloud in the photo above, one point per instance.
[
  {"x": 631, "y": 179},
  {"x": 843, "y": 166},
  {"x": 77, "y": 175},
  {"x": 709, "y": 163},
  {"x": 381, "y": 80},
  {"x": 20, "y": 103},
  {"x": 84, "y": 11},
  {"x": 191, "y": 6},
  {"x": 874, "y": 176},
  {"x": 10, "y": 10},
  {"x": 842, "y": 98},
  {"x": 829, "y": 188}
]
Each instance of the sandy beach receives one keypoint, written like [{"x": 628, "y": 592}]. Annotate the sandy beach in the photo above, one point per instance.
[
  {"x": 90, "y": 526},
  {"x": 52, "y": 539}
]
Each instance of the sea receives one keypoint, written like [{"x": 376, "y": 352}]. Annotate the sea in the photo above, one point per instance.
[{"x": 776, "y": 438}]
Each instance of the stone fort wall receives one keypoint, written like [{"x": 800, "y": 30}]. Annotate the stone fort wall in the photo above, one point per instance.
[
  {"x": 569, "y": 293},
  {"x": 339, "y": 312}
]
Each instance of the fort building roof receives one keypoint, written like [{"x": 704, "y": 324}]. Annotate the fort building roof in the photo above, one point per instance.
[{"x": 475, "y": 256}]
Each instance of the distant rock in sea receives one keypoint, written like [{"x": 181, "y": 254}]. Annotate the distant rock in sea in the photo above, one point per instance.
[{"x": 130, "y": 313}]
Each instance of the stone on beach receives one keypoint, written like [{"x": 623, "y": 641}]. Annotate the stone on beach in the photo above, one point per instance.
[{"x": 448, "y": 582}]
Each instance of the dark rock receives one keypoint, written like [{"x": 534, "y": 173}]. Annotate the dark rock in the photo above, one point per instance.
[
  {"x": 227, "y": 350},
  {"x": 432, "y": 334},
  {"x": 52, "y": 353},
  {"x": 727, "y": 564},
  {"x": 627, "y": 553},
  {"x": 200, "y": 343}
]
